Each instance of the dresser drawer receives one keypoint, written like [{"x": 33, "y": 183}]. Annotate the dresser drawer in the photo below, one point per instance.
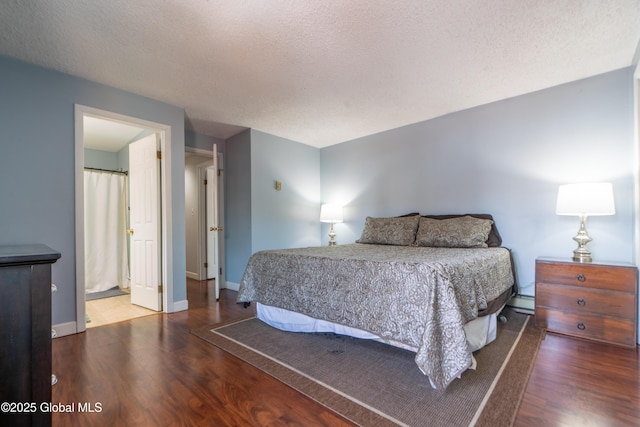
[
  {"x": 586, "y": 300},
  {"x": 601, "y": 328},
  {"x": 623, "y": 279}
]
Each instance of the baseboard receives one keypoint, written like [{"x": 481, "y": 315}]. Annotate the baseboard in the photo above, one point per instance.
[
  {"x": 523, "y": 304},
  {"x": 64, "y": 329},
  {"x": 180, "y": 305},
  {"x": 192, "y": 275},
  {"x": 232, "y": 285}
]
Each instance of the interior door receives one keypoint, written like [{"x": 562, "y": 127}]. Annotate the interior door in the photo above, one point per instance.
[
  {"x": 144, "y": 181},
  {"x": 213, "y": 226}
]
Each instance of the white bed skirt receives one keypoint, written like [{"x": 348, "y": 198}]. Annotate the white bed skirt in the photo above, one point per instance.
[{"x": 480, "y": 331}]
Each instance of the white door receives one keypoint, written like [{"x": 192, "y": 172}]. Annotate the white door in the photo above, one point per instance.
[
  {"x": 213, "y": 226},
  {"x": 144, "y": 181}
]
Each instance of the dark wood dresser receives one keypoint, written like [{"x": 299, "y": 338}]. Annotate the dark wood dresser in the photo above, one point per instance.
[
  {"x": 596, "y": 301},
  {"x": 25, "y": 334}
]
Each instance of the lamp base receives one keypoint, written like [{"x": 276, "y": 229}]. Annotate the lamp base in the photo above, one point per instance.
[
  {"x": 582, "y": 254},
  {"x": 332, "y": 236},
  {"x": 579, "y": 256}
]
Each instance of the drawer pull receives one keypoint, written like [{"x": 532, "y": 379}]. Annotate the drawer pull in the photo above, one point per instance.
[
  {"x": 581, "y": 278},
  {"x": 581, "y": 302},
  {"x": 581, "y": 326}
]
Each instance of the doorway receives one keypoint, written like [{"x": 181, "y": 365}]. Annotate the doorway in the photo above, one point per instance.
[
  {"x": 83, "y": 114},
  {"x": 205, "y": 257}
]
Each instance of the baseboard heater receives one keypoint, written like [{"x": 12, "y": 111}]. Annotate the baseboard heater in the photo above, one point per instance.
[{"x": 522, "y": 304}]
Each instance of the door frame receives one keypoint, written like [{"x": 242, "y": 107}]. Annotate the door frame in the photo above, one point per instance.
[
  {"x": 203, "y": 238},
  {"x": 202, "y": 218},
  {"x": 636, "y": 170},
  {"x": 80, "y": 111}
]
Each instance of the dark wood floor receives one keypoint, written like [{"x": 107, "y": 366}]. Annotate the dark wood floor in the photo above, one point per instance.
[
  {"x": 151, "y": 371},
  {"x": 581, "y": 383}
]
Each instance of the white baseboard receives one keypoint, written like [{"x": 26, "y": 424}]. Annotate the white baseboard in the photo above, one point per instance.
[
  {"x": 180, "y": 305},
  {"x": 232, "y": 285},
  {"x": 64, "y": 329},
  {"x": 192, "y": 275}
]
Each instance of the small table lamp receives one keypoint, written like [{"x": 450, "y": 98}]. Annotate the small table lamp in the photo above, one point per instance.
[
  {"x": 584, "y": 200},
  {"x": 331, "y": 214}
]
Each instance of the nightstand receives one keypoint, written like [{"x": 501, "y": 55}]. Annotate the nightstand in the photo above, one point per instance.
[{"x": 595, "y": 301}]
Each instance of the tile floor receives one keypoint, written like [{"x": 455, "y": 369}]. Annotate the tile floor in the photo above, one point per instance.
[{"x": 114, "y": 309}]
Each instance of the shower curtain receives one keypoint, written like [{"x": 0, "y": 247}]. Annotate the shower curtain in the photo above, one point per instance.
[{"x": 105, "y": 223}]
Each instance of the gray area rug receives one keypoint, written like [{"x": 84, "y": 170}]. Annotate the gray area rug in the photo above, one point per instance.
[
  {"x": 113, "y": 292},
  {"x": 373, "y": 384}
]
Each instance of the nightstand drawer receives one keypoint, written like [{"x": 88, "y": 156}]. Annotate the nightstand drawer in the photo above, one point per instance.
[
  {"x": 585, "y": 300},
  {"x": 588, "y": 275},
  {"x": 601, "y": 328}
]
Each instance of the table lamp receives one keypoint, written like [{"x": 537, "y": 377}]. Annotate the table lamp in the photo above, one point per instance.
[
  {"x": 583, "y": 200},
  {"x": 331, "y": 214}
]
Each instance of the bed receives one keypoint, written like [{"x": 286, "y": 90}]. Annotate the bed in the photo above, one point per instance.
[{"x": 424, "y": 283}]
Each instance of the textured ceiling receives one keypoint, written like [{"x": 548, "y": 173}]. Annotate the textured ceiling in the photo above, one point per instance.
[{"x": 326, "y": 71}]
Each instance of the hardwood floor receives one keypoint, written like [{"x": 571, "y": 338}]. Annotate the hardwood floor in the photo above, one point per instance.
[
  {"x": 151, "y": 371},
  {"x": 581, "y": 383}
]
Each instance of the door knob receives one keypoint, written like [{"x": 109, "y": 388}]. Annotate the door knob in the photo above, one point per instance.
[
  {"x": 213, "y": 228},
  {"x": 130, "y": 231}
]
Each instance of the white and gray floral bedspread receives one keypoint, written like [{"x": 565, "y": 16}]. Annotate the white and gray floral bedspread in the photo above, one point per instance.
[{"x": 418, "y": 296}]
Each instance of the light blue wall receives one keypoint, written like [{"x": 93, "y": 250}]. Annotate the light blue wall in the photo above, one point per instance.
[
  {"x": 123, "y": 159},
  {"x": 289, "y": 218},
  {"x": 100, "y": 159},
  {"x": 203, "y": 142},
  {"x": 259, "y": 217},
  {"x": 506, "y": 158},
  {"x": 237, "y": 209},
  {"x": 37, "y": 165}
]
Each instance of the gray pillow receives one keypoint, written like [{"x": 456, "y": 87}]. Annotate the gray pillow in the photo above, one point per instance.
[
  {"x": 494, "y": 239},
  {"x": 461, "y": 232},
  {"x": 399, "y": 231}
]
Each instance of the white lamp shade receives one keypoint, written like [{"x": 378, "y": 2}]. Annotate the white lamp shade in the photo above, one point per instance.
[
  {"x": 586, "y": 199},
  {"x": 331, "y": 213}
]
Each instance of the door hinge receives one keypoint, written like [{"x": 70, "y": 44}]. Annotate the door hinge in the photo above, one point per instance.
[
  {"x": 159, "y": 153},
  {"x": 159, "y": 289},
  {"x": 219, "y": 172},
  {"x": 221, "y": 270},
  {"x": 206, "y": 265},
  {"x": 205, "y": 182}
]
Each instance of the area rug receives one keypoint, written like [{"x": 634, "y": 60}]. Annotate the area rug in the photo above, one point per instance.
[
  {"x": 373, "y": 384},
  {"x": 113, "y": 292}
]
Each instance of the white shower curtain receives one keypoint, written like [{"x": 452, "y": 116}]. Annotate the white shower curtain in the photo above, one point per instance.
[{"x": 105, "y": 223}]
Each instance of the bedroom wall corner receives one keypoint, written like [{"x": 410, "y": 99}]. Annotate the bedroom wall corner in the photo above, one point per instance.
[
  {"x": 289, "y": 217},
  {"x": 237, "y": 205},
  {"x": 506, "y": 158},
  {"x": 257, "y": 215}
]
